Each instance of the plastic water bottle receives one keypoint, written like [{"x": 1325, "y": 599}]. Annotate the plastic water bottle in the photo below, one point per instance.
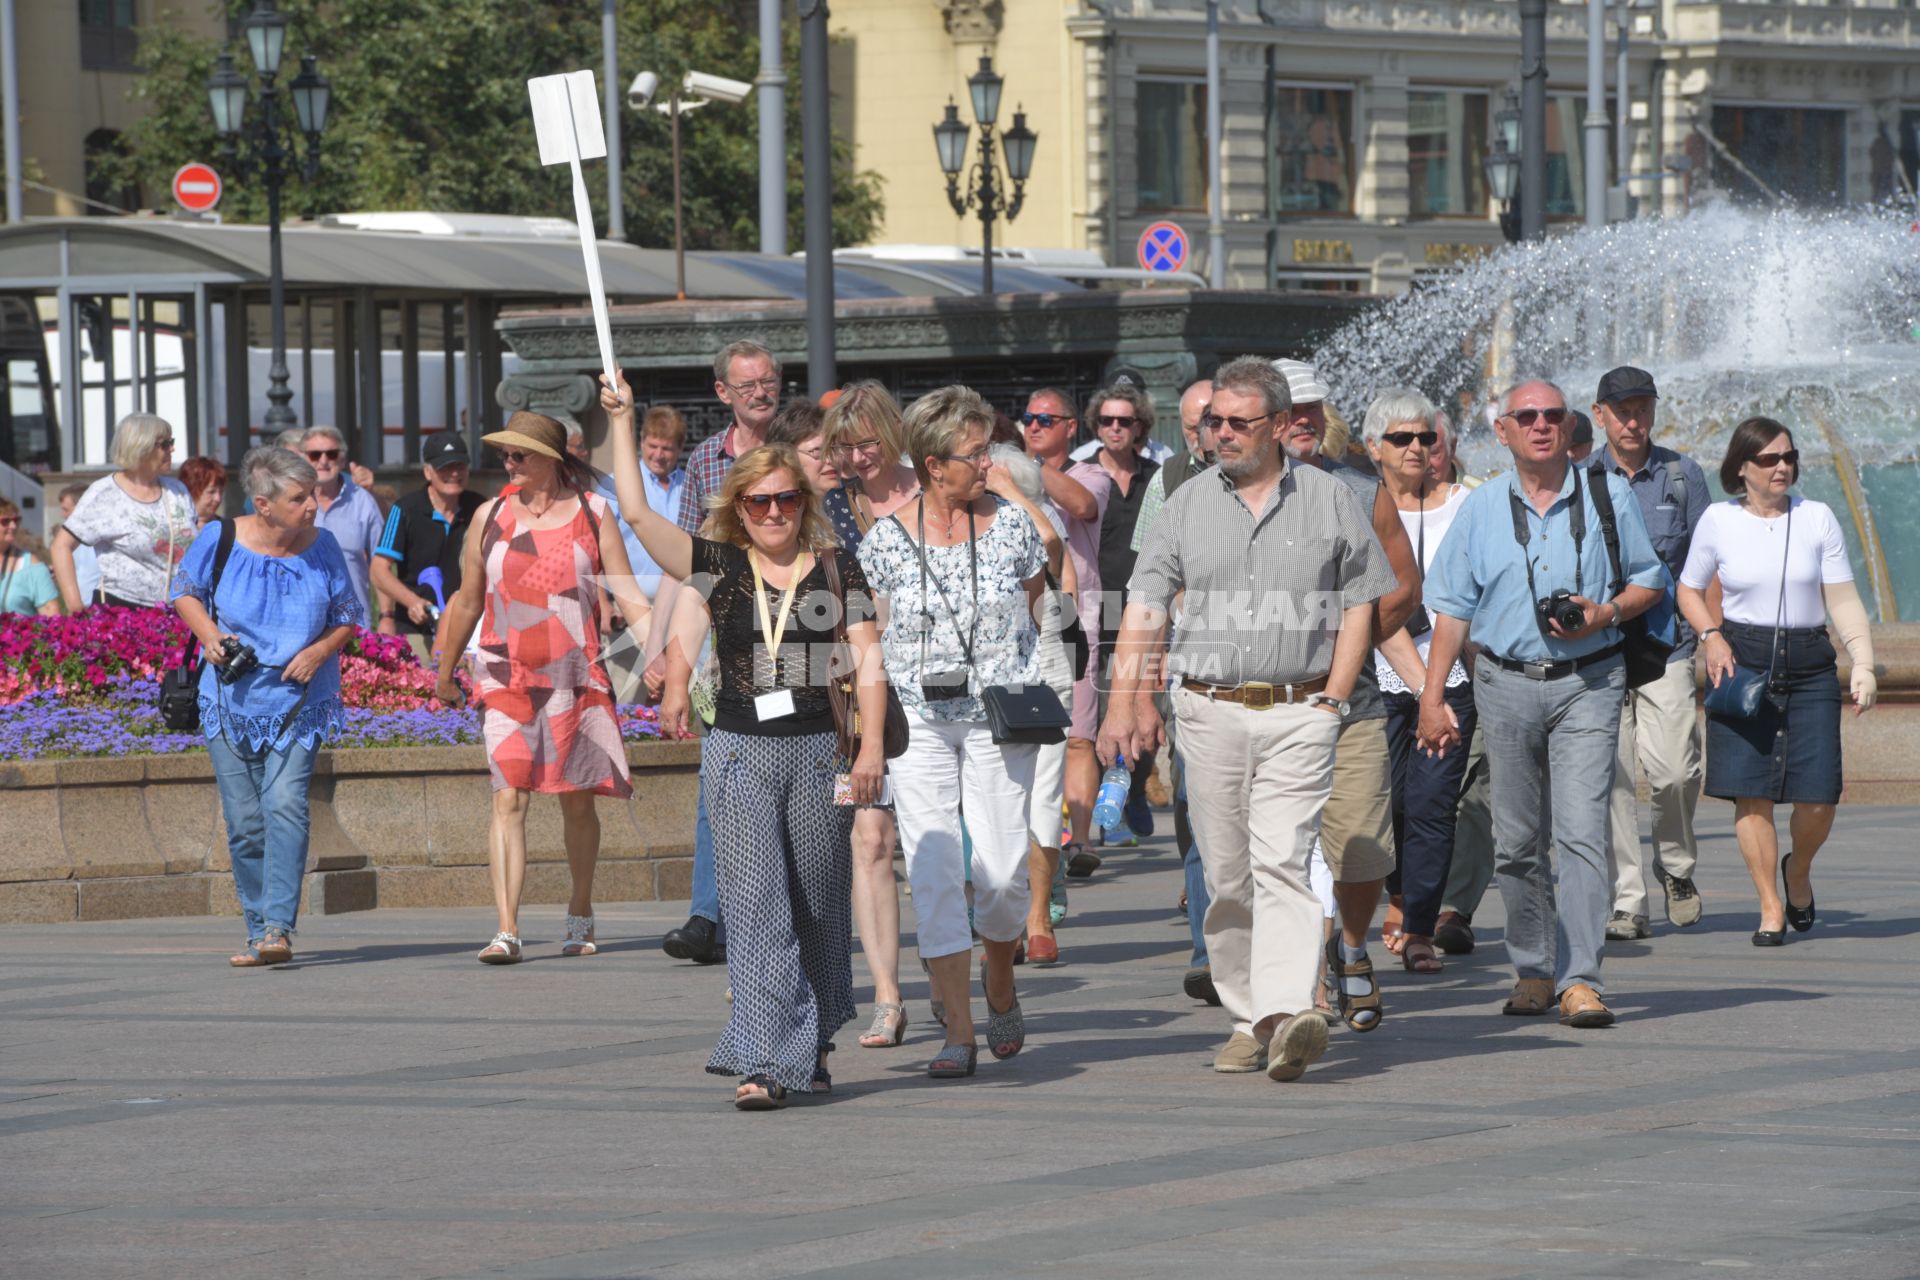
[{"x": 1110, "y": 804}]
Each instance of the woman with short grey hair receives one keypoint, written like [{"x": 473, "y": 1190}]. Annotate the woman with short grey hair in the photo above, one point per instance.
[
  {"x": 139, "y": 521},
  {"x": 269, "y": 599},
  {"x": 959, "y": 571}
]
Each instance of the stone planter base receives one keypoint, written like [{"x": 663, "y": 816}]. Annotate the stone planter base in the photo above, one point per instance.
[{"x": 142, "y": 836}]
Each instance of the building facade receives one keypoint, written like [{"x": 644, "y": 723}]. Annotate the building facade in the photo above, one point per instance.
[{"x": 1355, "y": 132}]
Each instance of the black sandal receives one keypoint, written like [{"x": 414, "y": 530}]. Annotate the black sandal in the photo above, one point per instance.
[
  {"x": 823, "y": 1078},
  {"x": 772, "y": 1097},
  {"x": 1361, "y": 1013}
]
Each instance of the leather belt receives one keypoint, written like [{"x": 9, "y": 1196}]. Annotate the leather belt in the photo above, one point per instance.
[
  {"x": 1553, "y": 670},
  {"x": 1257, "y": 695}
]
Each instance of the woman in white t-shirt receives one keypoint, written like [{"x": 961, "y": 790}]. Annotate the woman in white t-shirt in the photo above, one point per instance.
[
  {"x": 1783, "y": 570},
  {"x": 1401, "y": 435},
  {"x": 138, "y": 520}
]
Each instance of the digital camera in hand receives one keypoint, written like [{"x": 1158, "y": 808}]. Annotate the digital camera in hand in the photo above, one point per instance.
[
  {"x": 240, "y": 659},
  {"x": 1561, "y": 608}
]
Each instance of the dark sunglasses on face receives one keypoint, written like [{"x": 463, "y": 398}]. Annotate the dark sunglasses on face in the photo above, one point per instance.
[
  {"x": 514, "y": 457},
  {"x": 1527, "y": 417},
  {"x": 1043, "y": 419},
  {"x": 1401, "y": 439},
  {"x": 1116, "y": 420},
  {"x": 1239, "y": 426},
  {"x": 165, "y": 444},
  {"x": 1768, "y": 461},
  {"x": 758, "y": 505},
  {"x": 7, "y": 522},
  {"x": 323, "y": 455}
]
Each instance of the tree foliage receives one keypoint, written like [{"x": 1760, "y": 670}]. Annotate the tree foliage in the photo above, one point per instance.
[{"x": 430, "y": 112}]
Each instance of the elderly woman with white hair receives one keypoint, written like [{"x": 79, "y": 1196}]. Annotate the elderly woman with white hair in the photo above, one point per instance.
[
  {"x": 269, "y": 599},
  {"x": 1401, "y": 435},
  {"x": 139, "y": 521}
]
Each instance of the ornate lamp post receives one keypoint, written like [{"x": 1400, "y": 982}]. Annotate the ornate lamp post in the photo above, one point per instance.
[
  {"x": 1503, "y": 165},
  {"x": 268, "y": 146},
  {"x": 984, "y": 190}
]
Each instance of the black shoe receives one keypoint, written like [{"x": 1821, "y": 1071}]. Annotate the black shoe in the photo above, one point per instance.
[
  {"x": 1801, "y": 918},
  {"x": 696, "y": 940},
  {"x": 1769, "y": 937},
  {"x": 1454, "y": 934},
  {"x": 1199, "y": 985}
]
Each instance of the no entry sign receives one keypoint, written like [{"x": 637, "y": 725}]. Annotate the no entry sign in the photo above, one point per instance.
[
  {"x": 1163, "y": 247},
  {"x": 196, "y": 187}
]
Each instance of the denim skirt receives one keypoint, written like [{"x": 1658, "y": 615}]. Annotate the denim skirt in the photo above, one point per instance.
[{"x": 1789, "y": 751}]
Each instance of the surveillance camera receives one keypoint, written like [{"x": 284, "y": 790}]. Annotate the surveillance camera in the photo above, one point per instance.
[
  {"x": 699, "y": 84},
  {"x": 641, "y": 91}
]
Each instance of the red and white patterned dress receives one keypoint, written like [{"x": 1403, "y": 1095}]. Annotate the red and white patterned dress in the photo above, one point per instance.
[{"x": 549, "y": 718}]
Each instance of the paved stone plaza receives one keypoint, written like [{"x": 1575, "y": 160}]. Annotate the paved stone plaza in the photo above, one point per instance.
[{"x": 387, "y": 1107}]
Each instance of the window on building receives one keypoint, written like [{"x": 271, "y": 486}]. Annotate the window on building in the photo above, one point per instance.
[
  {"x": 1320, "y": 281},
  {"x": 109, "y": 40},
  {"x": 1314, "y": 149},
  {"x": 1170, "y": 143},
  {"x": 1896, "y": 160},
  {"x": 1798, "y": 152},
  {"x": 1446, "y": 151},
  {"x": 1567, "y": 157}
]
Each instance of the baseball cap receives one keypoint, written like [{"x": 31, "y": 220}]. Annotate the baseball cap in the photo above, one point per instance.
[
  {"x": 1625, "y": 383},
  {"x": 1303, "y": 382},
  {"x": 1582, "y": 429},
  {"x": 444, "y": 448}
]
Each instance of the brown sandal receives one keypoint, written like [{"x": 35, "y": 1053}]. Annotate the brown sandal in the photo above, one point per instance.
[
  {"x": 1390, "y": 933},
  {"x": 1417, "y": 954}
]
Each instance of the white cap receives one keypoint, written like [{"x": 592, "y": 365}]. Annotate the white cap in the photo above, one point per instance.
[{"x": 1303, "y": 382}]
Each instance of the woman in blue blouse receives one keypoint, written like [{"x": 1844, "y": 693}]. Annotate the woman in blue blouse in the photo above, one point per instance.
[{"x": 285, "y": 595}]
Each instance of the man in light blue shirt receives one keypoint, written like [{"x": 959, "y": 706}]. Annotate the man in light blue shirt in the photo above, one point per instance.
[
  {"x": 345, "y": 510},
  {"x": 1548, "y": 688}
]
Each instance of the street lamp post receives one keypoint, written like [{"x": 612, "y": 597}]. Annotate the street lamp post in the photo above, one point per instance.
[
  {"x": 1503, "y": 165},
  {"x": 984, "y": 190},
  {"x": 267, "y": 146},
  {"x": 695, "y": 90}
]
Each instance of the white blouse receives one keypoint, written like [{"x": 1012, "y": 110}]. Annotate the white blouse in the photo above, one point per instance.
[
  {"x": 1436, "y": 523},
  {"x": 1749, "y": 552}
]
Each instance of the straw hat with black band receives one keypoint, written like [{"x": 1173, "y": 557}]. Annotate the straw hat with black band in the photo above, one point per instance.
[{"x": 532, "y": 432}]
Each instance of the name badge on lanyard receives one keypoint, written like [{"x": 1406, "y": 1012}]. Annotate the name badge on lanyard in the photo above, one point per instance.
[{"x": 777, "y": 704}]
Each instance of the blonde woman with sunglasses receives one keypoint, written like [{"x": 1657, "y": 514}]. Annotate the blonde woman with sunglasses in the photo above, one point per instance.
[{"x": 780, "y": 800}]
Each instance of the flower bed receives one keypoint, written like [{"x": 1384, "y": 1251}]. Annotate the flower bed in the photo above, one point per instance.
[{"x": 87, "y": 686}]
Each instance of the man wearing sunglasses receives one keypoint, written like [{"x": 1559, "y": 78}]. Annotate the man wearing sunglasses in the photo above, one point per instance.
[
  {"x": 346, "y": 510},
  {"x": 1658, "y": 729},
  {"x": 1079, "y": 491},
  {"x": 1356, "y": 830},
  {"x": 1526, "y": 574}
]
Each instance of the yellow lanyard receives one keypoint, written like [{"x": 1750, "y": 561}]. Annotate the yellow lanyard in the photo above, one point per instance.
[{"x": 769, "y": 629}]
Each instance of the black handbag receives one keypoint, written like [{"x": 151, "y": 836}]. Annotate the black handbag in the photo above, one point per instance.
[
  {"x": 1015, "y": 713},
  {"x": 841, "y": 697},
  {"x": 1646, "y": 655},
  {"x": 179, "y": 700},
  {"x": 1740, "y": 692}
]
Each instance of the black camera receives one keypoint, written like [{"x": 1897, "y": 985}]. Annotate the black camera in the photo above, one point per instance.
[
  {"x": 240, "y": 660},
  {"x": 1419, "y": 622},
  {"x": 1562, "y": 609},
  {"x": 937, "y": 685}
]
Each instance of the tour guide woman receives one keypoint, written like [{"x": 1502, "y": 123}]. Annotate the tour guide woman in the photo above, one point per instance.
[
  {"x": 960, "y": 572},
  {"x": 1783, "y": 569},
  {"x": 283, "y": 606},
  {"x": 534, "y": 563},
  {"x": 781, "y": 853}
]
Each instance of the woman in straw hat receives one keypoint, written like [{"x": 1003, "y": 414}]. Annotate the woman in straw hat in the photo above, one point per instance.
[{"x": 532, "y": 580}]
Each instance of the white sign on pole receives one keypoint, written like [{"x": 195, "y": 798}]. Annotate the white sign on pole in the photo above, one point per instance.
[{"x": 566, "y": 118}]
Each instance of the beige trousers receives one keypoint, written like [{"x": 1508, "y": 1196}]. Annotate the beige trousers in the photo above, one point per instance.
[
  {"x": 1256, "y": 783},
  {"x": 1660, "y": 733}
]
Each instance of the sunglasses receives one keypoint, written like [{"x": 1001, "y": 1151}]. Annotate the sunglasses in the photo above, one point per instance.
[
  {"x": 1043, "y": 419},
  {"x": 7, "y": 522},
  {"x": 1401, "y": 439},
  {"x": 1527, "y": 417},
  {"x": 1239, "y": 426},
  {"x": 1768, "y": 461},
  {"x": 514, "y": 457},
  {"x": 323, "y": 455},
  {"x": 759, "y": 505},
  {"x": 165, "y": 444},
  {"x": 1116, "y": 420}
]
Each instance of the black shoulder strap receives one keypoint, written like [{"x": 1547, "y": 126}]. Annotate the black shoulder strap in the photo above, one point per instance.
[
  {"x": 221, "y": 551},
  {"x": 1609, "y": 530}
]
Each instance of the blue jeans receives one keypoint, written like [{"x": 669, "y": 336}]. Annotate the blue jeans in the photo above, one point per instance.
[
  {"x": 706, "y": 888},
  {"x": 263, "y": 793},
  {"x": 1550, "y": 749},
  {"x": 1426, "y": 800},
  {"x": 1197, "y": 896}
]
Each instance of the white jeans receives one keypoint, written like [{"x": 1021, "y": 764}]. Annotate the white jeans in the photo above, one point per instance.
[
  {"x": 1050, "y": 766},
  {"x": 1659, "y": 733},
  {"x": 948, "y": 766},
  {"x": 1256, "y": 783}
]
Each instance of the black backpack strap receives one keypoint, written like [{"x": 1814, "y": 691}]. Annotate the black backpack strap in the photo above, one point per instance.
[
  {"x": 221, "y": 551},
  {"x": 1603, "y": 507}
]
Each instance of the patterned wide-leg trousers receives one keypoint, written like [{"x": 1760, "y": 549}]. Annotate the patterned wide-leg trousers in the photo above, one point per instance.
[{"x": 783, "y": 857}]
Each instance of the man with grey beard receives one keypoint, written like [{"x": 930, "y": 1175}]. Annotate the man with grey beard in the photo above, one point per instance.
[{"x": 1267, "y": 647}]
